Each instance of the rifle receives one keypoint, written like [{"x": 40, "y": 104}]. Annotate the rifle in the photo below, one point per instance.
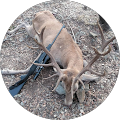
[{"x": 15, "y": 89}]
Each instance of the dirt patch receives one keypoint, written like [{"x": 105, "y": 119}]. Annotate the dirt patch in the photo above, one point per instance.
[{"x": 36, "y": 96}]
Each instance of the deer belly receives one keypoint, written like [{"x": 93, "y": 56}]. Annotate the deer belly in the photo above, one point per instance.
[{"x": 57, "y": 56}]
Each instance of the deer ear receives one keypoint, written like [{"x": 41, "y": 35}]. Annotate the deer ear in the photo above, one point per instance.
[{"x": 37, "y": 24}]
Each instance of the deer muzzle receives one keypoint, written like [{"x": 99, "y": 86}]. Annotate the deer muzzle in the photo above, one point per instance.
[{"x": 68, "y": 99}]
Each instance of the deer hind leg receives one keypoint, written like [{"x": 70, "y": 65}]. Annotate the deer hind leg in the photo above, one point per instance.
[
  {"x": 28, "y": 28},
  {"x": 22, "y": 25}
]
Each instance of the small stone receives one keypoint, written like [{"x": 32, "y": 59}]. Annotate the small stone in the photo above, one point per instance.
[
  {"x": 47, "y": 99},
  {"x": 18, "y": 101},
  {"x": 18, "y": 95},
  {"x": 102, "y": 86},
  {"x": 55, "y": 10},
  {"x": 81, "y": 111},
  {"x": 32, "y": 80},
  {"x": 62, "y": 112},
  {"x": 55, "y": 115},
  {"x": 91, "y": 34},
  {"x": 12, "y": 76},
  {"x": 21, "y": 39},
  {"x": 22, "y": 103},
  {"x": 47, "y": 95},
  {"x": 82, "y": 33},
  {"x": 65, "y": 110},
  {"x": 80, "y": 114}
]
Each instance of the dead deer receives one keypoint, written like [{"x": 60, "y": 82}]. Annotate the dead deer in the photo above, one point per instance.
[{"x": 64, "y": 52}]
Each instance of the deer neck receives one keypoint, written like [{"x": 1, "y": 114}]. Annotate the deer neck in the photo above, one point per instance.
[
  {"x": 73, "y": 68},
  {"x": 75, "y": 64}
]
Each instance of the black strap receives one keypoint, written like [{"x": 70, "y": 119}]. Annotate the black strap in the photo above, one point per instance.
[{"x": 58, "y": 34}]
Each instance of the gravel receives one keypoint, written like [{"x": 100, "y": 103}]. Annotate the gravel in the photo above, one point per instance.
[{"x": 37, "y": 96}]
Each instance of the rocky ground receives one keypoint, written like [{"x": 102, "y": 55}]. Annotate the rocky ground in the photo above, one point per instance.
[{"x": 36, "y": 96}]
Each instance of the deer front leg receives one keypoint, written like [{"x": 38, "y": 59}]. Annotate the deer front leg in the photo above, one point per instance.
[
  {"x": 22, "y": 25},
  {"x": 11, "y": 72}
]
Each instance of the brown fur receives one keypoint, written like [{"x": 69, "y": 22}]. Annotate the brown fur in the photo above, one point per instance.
[{"x": 65, "y": 51}]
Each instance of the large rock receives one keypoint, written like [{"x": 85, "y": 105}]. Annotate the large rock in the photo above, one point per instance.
[{"x": 60, "y": 90}]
